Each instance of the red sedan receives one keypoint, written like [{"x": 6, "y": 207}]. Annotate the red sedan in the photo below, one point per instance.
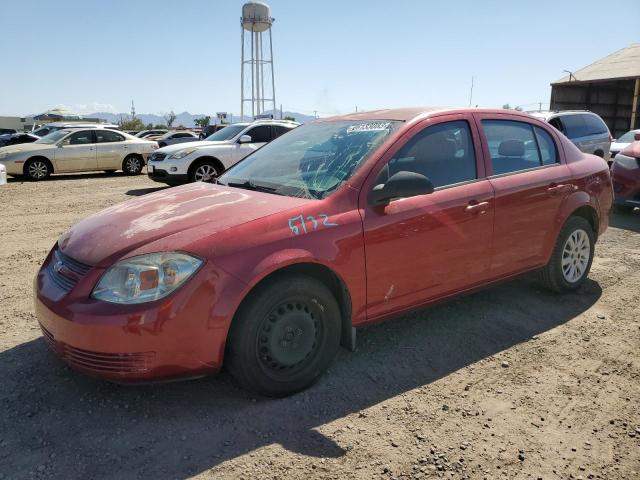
[
  {"x": 339, "y": 223},
  {"x": 625, "y": 173}
]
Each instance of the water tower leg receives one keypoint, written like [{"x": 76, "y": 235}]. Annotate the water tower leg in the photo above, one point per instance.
[
  {"x": 241, "y": 72},
  {"x": 273, "y": 82}
]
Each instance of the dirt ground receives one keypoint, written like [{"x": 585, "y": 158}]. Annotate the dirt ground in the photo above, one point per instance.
[{"x": 511, "y": 382}]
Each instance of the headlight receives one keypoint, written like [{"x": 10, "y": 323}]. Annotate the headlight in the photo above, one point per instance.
[
  {"x": 183, "y": 153},
  {"x": 145, "y": 278}
]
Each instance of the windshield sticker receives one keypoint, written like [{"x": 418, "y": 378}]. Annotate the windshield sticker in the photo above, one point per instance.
[
  {"x": 368, "y": 127},
  {"x": 299, "y": 225}
]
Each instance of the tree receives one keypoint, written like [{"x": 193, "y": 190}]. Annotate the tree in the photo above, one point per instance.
[
  {"x": 159, "y": 126},
  {"x": 506, "y": 106},
  {"x": 290, "y": 118},
  {"x": 170, "y": 118},
  {"x": 149, "y": 126},
  {"x": 203, "y": 121},
  {"x": 132, "y": 124}
]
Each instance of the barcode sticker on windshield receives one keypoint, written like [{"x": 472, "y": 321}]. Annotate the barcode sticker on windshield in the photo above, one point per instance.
[{"x": 368, "y": 127}]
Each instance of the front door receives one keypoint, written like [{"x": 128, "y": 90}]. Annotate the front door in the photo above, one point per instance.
[
  {"x": 429, "y": 246},
  {"x": 112, "y": 148},
  {"x": 76, "y": 153},
  {"x": 260, "y": 135},
  {"x": 530, "y": 183}
]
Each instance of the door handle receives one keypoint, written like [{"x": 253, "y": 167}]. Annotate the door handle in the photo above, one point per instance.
[
  {"x": 553, "y": 188},
  {"x": 480, "y": 207},
  {"x": 125, "y": 147}
]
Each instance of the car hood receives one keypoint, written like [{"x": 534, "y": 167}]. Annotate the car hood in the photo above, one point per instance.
[
  {"x": 106, "y": 236},
  {"x": 26, "y": 147},
  {"x": 169, "y": 149}
]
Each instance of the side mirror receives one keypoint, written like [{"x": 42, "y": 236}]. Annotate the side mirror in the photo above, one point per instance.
[
  {"x": 400, "y": 185},
  {"x": 245, "y": 139},
  {"x": 64, "y": 142},
  {"x": 636, "y": 137}
]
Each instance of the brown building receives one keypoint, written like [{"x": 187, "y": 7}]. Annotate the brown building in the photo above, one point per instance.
[{"x": 609, "y": 87}]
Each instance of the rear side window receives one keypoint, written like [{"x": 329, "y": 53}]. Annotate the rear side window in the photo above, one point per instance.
[
  {"x": 182, "y": 135},
  {"x": 574, "y": 126},
  {"x": 547, "y": 146},
  {"x": 514, "y": 146},
  {"x": 107, "y": 136},
  {"x": 594, "y": 125},
  {"x": 279, "y": 130},
  {"x": 81, "y": 138},
  {"x": 443, "y": 153}
]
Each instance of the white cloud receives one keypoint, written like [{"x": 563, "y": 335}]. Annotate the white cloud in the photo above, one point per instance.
[{"x": 86, "y": 108}]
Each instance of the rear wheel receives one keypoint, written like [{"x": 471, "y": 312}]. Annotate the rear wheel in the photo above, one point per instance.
[
  {"x": 572, "y": 256},
  {"x": 132, "y": 165},
  {"x": 284, "y": 337},
  {"x": 37, "y": 169},
  {"x": 205, "y": 171}
]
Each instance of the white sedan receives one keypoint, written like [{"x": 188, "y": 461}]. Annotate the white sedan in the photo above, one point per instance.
[
  {"x": 77, "y": 150},
  {"x": 204, "y": 161},
  {"x": 623, "y": 142}
]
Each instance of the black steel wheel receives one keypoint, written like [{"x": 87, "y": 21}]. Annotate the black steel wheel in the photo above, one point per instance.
[{"x": 284, "y": 336}]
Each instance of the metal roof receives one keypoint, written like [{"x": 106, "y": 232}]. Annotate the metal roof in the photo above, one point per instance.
[{"x": 619, "y": 65}]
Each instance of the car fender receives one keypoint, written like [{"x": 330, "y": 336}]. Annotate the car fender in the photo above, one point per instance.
[{"x": 573, "y": 202}]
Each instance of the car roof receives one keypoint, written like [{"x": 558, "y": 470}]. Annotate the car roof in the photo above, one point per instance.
[
  {"x": 561, "y": 113},
  {"x": 411, "y": 113}
]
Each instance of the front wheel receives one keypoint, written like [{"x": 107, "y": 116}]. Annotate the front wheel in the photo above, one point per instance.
[
  {"x": 572, "y": 256},
  {"x": 284, "y": 337},
  {"x": 205, "y": 172},
  {"x": 37, "y": 169},
  {"x": 132, "y": 165}
]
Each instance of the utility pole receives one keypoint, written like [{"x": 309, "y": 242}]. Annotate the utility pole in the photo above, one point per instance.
[
  {"x": 315, "y": 114},
  {"x": 133, "y": 110},
  {"x": 356, "y": 109},
  {"x": 471, "y": 92},
  {"x": 280, "y": 111},
  {"x": 539, "y": 106}
]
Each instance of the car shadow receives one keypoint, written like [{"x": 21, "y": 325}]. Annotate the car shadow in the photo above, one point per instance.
[
  {"x": 137, "y": 192},
  {"x": 95, "y": 429},
  {"x": 71, "y": 176},
  {"x": 626, "y": 221}
]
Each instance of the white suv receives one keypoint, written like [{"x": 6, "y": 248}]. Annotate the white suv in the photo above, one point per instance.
[{"x": 204, "y": 161}]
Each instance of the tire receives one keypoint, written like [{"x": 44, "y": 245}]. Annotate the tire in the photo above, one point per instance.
[
  {"x": 572, "y": 256},
  {"x": 204, "y": 171},
  {"x": 623, "y": 208},
  {"x": 37, "y": 169},
  {"x": 132, "y": 165},
  {"x": 284, "y": 336}
]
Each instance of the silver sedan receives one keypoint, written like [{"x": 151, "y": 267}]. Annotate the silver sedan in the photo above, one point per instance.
[{"x": 77, "y": 150}]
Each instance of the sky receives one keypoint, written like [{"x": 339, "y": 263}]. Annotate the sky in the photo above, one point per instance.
[{"x": 330, "y": 56}]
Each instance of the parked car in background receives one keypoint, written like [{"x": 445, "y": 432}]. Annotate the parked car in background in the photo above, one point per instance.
[
  {"x": 77, "y": 150},
  {"x": 17, "y": 138},
  {"x": 55, "y": 126},
  {"x": 585, "y": 129},
  {"x": 625, "y": 175},
  {"x": 624, "y": 141},
  {"x": 148, "y": 133},
  {"x": 7, "y": 131},
  {"x": 340, "y": 223},
  {"x": 204, "y": 161},
  {"x": 177, "y": 136}
]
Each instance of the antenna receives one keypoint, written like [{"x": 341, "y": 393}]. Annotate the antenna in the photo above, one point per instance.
[{"x": 471, "y": 92}]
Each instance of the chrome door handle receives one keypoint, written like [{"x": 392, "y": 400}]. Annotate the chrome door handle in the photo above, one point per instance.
[
  {"x": 559, "y": 188},
  {"x": 482, "y": 207}
]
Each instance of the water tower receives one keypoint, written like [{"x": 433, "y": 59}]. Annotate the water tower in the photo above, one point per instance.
[{"x": 256, "y": 20}]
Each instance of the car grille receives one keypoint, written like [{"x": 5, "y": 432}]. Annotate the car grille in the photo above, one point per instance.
[
  {"x": 99, "y": 361},
  {"x": 158, "y": 157},
  {"x": 64, "y": 271}
]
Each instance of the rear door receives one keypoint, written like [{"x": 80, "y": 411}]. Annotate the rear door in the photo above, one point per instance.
[
  {"x": 530, "y": 181},
  {"x": 111, "y": 149},
  {"x": 76, "y": 153},
  {"x": 427, "y": 246}
]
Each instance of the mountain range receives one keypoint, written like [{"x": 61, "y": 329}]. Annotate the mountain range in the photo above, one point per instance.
[{"x": 185, "y": 119}]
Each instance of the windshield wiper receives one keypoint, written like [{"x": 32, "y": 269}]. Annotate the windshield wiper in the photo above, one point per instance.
[{"x": 251, "y": 185}]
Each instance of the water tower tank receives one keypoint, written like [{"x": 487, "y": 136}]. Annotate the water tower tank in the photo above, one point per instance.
[{"x": 256, "y": 17}]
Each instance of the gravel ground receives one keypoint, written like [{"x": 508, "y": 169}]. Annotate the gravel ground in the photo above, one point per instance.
[{"x": 511, "y": 382}]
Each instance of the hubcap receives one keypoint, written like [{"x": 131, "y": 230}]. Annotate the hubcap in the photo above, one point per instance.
[
  {"x": 38, "y": 170},
  {"x": 133, "y": 164},
  {"x": 575, "y": 256},
  {"x": 206, "y": 173},
  {"x": 288, "y": 336}
]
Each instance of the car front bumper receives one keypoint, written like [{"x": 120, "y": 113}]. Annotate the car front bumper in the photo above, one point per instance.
[
  {"x": 169, "y": 171},
  {"x": 14, "y": 167},
  {"x": 182, "y": 335},
  {"x": 626, "y": 184}
]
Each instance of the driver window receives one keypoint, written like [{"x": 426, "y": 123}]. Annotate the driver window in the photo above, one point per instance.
[
  {"x": 81, "y": 138},
  {"x": 443, "y": 153}
]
